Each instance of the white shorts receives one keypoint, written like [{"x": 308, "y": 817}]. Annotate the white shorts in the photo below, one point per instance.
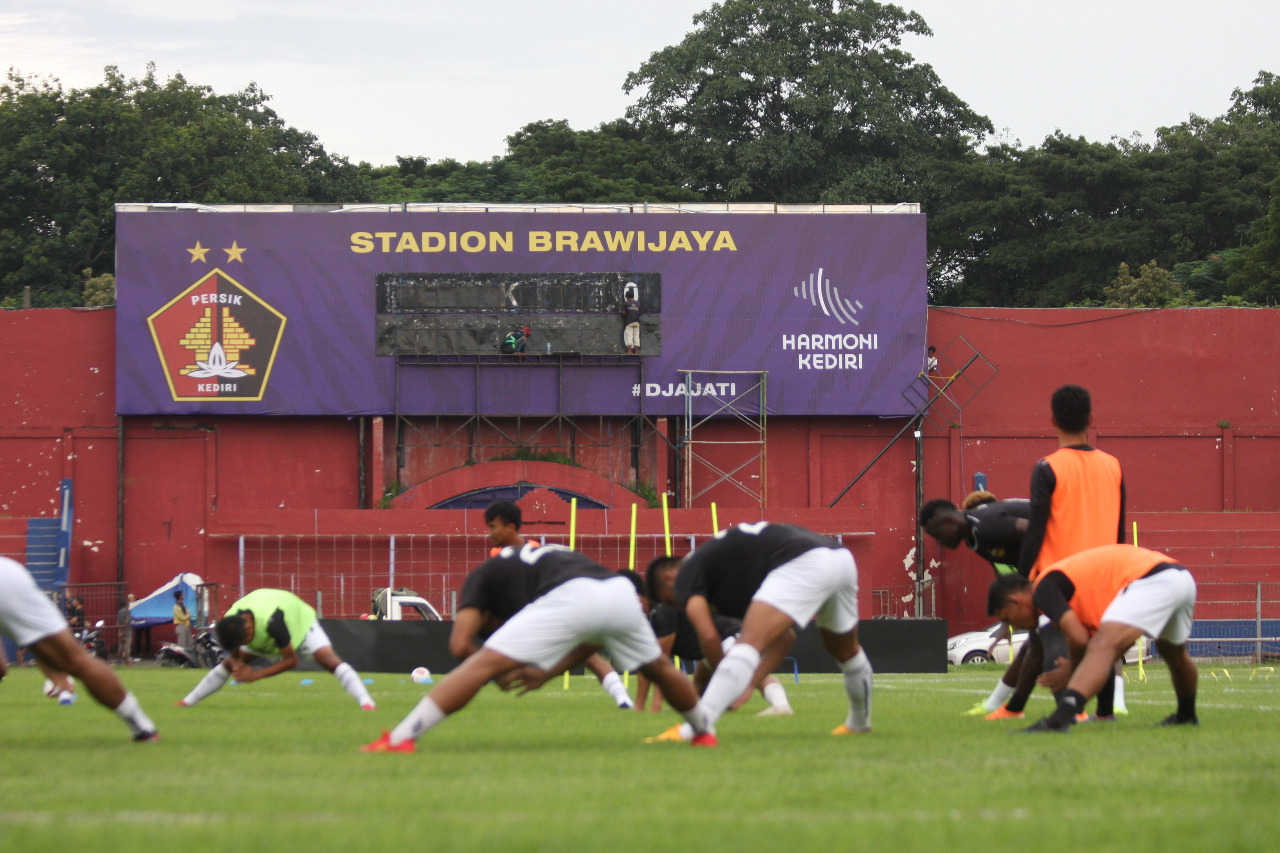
[
  {"x": 26, "y": 614},
  {"x": 313, "y": 641},
  {"x": 631, "y": 335},
  {"x": 821, "y": 582},
  {"x": 603, "y": 613},
  {"x": 1161, "y": 605}
]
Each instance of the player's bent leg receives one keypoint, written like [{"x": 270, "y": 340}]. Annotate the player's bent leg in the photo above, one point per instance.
[
  {"x": 347, "y": 676},
  {"x": 449, "y": 696},
  {"x": 464, "y": 681},
  {"x": 63, "y": 687},
  {"x": 62, "y": 652},
  {"x": 858, "y": 676},
  {"x": 1090, "y": 675},
  {"x": 1098, "y": 664},
  {"x": 732, "y": 677},
  {"x": 761, "y": 626},
  {"x": 598, "y": 666},
  {"x": 684, "y": 698},
  {"x": 773, "y": 655},
  {"x": 1186, "y": 680},
  {"x": 609, "y": 680},
  {"x": 1106, "y": 708},
  {"x": 213, "y": 681}
]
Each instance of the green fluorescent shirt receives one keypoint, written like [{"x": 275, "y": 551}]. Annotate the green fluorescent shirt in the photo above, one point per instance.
[{"x": 279, "y": 619}]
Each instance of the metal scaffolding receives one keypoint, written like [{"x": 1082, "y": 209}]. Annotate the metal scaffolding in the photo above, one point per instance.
[{"x": 747, "y": 408}]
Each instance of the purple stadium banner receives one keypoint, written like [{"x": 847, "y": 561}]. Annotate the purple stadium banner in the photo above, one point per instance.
[{"x": 277, "y": 312}]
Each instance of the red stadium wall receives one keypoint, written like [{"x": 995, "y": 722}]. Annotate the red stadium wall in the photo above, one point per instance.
[{"x": 1188, "y": 400}]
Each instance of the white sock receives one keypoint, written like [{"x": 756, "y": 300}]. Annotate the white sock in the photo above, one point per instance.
[
  {"x": 998, "y": 697},
  {"x": 613, "y": 685},
  {"x": 131, "y": 712},
  {"x": 776, "y": 695},
  {"x": 1119, "y": 705},
  {"x": 731, "y": 679},
  {"x": 424, "y": 717},
  {"x": 350, "y": 681},
  {"x": 696, "y": 722},
  {"x": 858, "y": 678},
  {"x": 212, "y": 682}
]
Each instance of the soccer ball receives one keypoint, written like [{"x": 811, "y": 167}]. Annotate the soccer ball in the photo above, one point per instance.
[{"x": 421, "y": 675}]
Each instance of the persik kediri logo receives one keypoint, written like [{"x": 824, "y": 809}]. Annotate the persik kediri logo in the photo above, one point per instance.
[{"x": 217, "y": 340}]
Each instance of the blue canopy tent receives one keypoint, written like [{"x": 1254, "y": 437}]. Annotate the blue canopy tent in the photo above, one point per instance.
[{"x": 157, "y": 608}]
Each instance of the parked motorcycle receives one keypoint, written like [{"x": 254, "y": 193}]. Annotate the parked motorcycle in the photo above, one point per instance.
[
  {"x": 207, "y": 653},
  {"x": 92, "y": 640}
]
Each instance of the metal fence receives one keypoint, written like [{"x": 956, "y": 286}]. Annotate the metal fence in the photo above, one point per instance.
[
  {"x": 99, "y": 602},
  {"x": 1236, "y": 622},
  {"x": 899, "y": 602},
  {"x": 338, "y": 574}
]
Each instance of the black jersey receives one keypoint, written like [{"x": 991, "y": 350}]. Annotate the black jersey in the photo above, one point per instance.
[
  {"x": 729, "y": 568},
  {"x": 993, "y": 530},
  {"x": 667, "y": 620},
  {"x": 504, "y": 584}
]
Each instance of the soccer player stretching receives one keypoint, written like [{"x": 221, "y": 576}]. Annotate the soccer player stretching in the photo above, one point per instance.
[
  {"x": 573, "y": 608},
  {"x": 774, "y": 577},
  {"x": 1103, "y": 599},
  {"x": 29, "y": 618}
]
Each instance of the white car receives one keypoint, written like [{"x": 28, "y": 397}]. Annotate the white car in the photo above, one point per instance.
[
  {"x": 989, "y": 644},
  {"x": 992, "y": 644}
]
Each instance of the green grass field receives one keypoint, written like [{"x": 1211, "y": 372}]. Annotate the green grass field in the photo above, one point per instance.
[{"x": 274, "y": 765}]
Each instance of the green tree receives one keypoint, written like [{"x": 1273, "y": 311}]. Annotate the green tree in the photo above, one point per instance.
[
  {"x": 1047, "y": 226},
  {"x": 1039, "y": 227},
  {"x": 614, "y": 163},
  {"x": 1152, "y": 287},
  {"x": 802, "y": 101},
  {"x": 417, "y": 179},
  {"x": 99, "y": 290},
  {"x": 1207, "y": 277},
  {"x": 67, "y": 157},
  {"x": 1254, "y": 273}
]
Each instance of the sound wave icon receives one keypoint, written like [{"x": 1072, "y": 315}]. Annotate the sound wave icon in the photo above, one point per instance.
[{"x": 820, "y": 294}]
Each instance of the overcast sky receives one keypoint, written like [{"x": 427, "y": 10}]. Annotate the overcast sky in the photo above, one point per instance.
[{"x": 373, "y": 79}]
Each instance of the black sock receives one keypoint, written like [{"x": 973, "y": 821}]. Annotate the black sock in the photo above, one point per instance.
[
  {"x": 1068, "y": 706},
  {"x": 1107, "y": 698},
  {"x": 1186, "y": 708},
  {"x": 1015, "y": 704}
]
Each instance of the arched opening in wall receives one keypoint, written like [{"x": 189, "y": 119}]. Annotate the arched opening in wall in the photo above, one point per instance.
[{"x": 481, "y": 498}]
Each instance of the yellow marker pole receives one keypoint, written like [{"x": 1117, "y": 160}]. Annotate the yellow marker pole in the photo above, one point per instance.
[
  {"x": 566, "y": 679},
  {"x": 631, "y": 559},
  {"x": 715, "y": 522},
  {"x": 666, "y": 523},
  {"x": 573, "y": 521}
]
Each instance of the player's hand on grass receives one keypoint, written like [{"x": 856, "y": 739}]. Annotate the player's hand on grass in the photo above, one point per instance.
[
  {"x": 243, "y": 673},
  {"x": 1056, "y": 679},
  {"x": 529, "y": 678}
]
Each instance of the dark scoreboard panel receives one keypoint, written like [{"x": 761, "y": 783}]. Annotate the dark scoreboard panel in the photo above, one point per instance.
[{"x": 469, "y": 314}]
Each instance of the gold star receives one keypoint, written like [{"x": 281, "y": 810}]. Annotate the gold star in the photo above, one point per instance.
[
  {"x": 198, "y": 253},
  {"x": 234, "y": 253}
]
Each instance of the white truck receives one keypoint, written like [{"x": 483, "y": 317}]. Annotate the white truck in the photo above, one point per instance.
[{"x": 397, "y": 605}]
